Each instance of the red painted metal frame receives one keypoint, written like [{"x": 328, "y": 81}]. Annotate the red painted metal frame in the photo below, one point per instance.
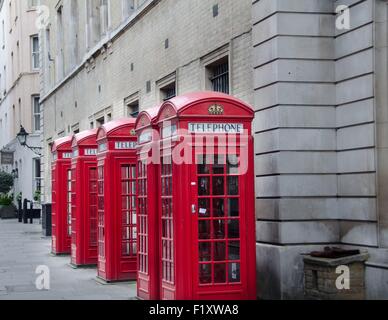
[
  {"x": 84, "y": 199},
  {"x": 117, "y": 254},
  {"x": 147, "y": 207},
  {"x": 61, "y": 153},
  {"x": 180, "y": 264}
]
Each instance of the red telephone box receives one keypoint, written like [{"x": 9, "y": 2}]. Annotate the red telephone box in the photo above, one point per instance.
[
  {"x": 61, "y": 196},
  {"x": 207, "y": 215},
  {"x": 84, "y": 199},
  {"x": 117, "y": 233},
  {"x": 147, "y": 207}
]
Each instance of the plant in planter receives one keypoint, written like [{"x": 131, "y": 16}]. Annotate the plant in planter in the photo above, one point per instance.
[
  {"x": 37, "y": 195},
  {"x": 6, "y": 182},
  {"x": 7, "y": 209}
]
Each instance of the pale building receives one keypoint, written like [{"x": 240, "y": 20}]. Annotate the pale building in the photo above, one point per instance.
[
  {"x": 19, "y": 92},
  {"x": 319, "y": 94}
]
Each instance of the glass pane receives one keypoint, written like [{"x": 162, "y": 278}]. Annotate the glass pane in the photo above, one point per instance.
[
  {"x": 219, "y": 165},
  {"x": 205, "y": 251},
  {"x": 125, "y": 203},
  {"x": 233, "y": 208},
  {"x": 36, "y": 105},
  {"x": 234, "y": 250},
  {"x": 219, "y": 273},
  {"x": 219, "y": 251},
  {"x": 204, "y": 208},
  {"x": 234, "y": 229},
  {"x": 232, "y": 164},
  {"x": 205, "y": 273},
  {"x": 134, "y": 248},
  {"x": 219, "y": 229},
  {"x": 202, "y": 165},
  {"x": 232, "y": 186},
  {"x": 204, "y": 229},
  {"x": 218, "y": 186},
  {"x": 218, "y": 208},
  {"x": 204, "y": 186},
  {"x": 124, "y": 188},
  {"x": 234, "y": 272},
  {"x": 164, "y": 229}
]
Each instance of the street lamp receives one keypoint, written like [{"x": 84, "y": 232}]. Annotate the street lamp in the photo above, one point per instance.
[
  {"x": 15, "y": 173},
  {"x": 22, "y": 137}
]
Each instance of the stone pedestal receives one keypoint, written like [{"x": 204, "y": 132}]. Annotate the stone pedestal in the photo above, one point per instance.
[{"x": 320, "y": 275}]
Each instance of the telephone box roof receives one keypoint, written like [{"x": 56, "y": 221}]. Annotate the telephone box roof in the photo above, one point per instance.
[
  {"x": 113, "y": 126},
  {"x": 183, "y": 102},
  {"x": 147, "y": 116},
  {"x": 62, "y": 143},
  {"x": 86, "y": 137}
]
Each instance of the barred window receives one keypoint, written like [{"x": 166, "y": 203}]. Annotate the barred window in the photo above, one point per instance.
[
  {"x": 168, "y": 92},
  {"x": 218, "y": 73}
]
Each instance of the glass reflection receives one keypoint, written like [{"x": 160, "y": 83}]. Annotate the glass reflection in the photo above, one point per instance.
[
  {"x": 205, "y": 273},
  {"x": 204, "y": 186},
  {"x": 218, "y": 208},
  {"x": 219, "y": 273},
  {"x": 219, "y": 229},
  {"x": 204, "y": 229},
  {"x": 233, "y": 186},
  {"x": 234, "y": 250},
  {"x": 205, "y": 251},
  {"x": 233, "y": 229},
  {"x": 219, "y": 251},
  {"x": 233, "y": 208},
  {"x": 218, "y": 186}
]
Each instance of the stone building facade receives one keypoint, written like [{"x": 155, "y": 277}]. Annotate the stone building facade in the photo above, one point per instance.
[
  {"x": 19, "y": 91},
  {"x": 319, "y": 94}
]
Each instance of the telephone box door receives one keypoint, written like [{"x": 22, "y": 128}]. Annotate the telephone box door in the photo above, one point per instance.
[
  {"x": 101, "y": 219},
  {"x": 127, "y": 215},
  {"x": 217, "y": 228}
]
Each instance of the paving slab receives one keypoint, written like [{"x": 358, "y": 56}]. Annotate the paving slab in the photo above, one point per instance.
[{"x": 23, "y": 249}]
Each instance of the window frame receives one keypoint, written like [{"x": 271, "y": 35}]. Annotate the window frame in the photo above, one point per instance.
[
  {"x": 35, "y": 54},
  {"x": 35, "y": 114}
]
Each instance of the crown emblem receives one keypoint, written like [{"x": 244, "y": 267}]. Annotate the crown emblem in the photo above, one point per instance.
[
  {"x": 216, "y": 110},
  {"x": 133, "y": 132}
]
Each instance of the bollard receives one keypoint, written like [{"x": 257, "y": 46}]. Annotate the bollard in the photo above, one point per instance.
[
  {"x": 20, "y": 211},
  {"x": 25, "y": 218},
  {"x": 31, "y": 212}
]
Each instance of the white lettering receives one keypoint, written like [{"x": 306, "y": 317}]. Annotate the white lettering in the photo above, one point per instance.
[
  {"x": 236, "y": 128},
  {"x": 90, "y": 152},
  {"x": 126, "y": 145}
]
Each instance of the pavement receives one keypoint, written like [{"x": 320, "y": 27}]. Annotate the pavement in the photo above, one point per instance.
[{"x": 23, "y": 249}]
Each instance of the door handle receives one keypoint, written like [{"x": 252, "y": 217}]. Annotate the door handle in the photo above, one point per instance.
[{"x": 193, "y": 209}]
